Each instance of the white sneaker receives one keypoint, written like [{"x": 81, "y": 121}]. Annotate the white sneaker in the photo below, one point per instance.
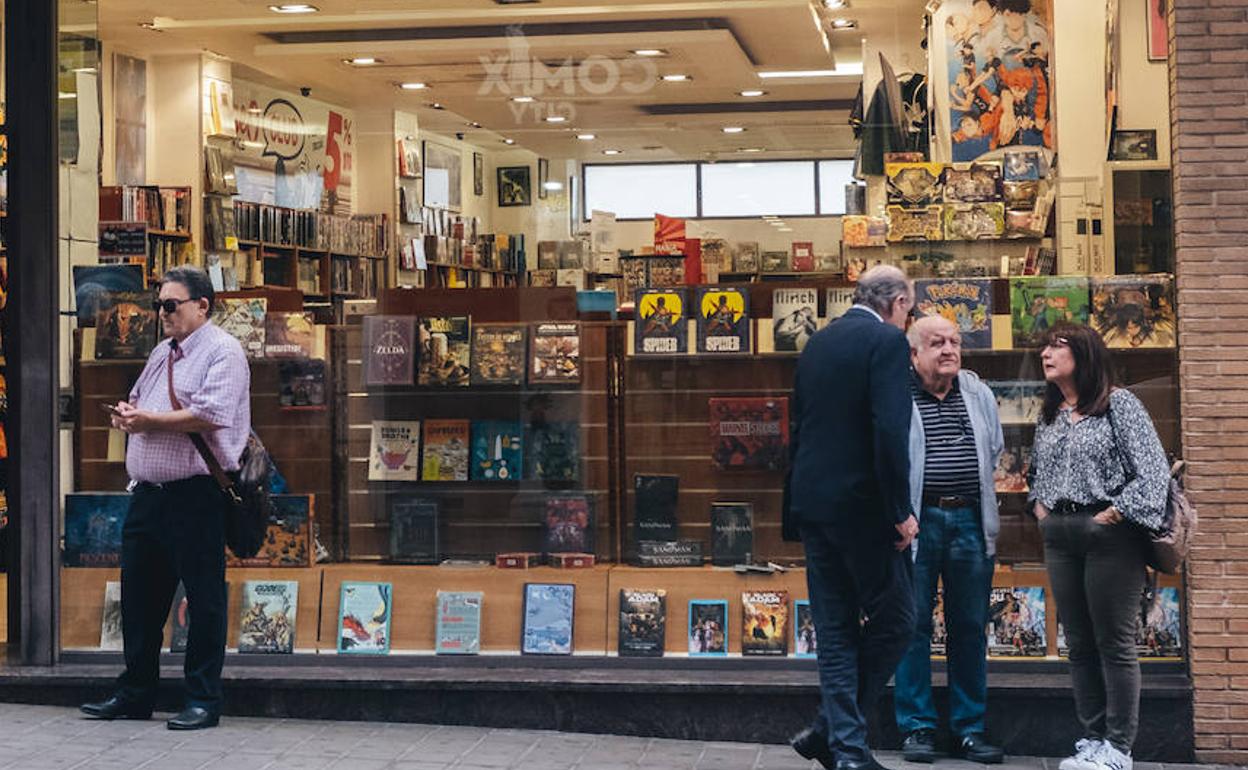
[
  {"x": 1111, "y": 758},
  {"x": 1087, "y": 752}
]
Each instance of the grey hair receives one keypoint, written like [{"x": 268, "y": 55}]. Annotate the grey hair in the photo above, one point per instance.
[
  {"x": 196, "y": 281},
  {"x": 880, "y": 286},
  {"x": 917, "y": 332}
]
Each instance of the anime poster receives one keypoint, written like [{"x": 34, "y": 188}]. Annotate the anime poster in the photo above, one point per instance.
[
  {"x": 1135, "y": 311},
  {"x": 966, "y": 303},
  {"x": 999, "y": 91}
]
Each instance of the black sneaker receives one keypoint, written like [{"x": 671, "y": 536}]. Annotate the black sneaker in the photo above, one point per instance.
[
  {"x": 920, "y": 746},
  {"x": 976, "y": 748}
]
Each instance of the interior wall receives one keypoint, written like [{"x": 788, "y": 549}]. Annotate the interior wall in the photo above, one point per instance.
[
  {"x": 174, "y": 140},
  {"x": 1079, "y": 80},
  {"x": 1144, "y": 101},
  {"x": 823, "y": 232}
]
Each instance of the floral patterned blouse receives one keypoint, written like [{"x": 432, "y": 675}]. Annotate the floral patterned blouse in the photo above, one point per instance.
[{"x": 1082, "y": 462}]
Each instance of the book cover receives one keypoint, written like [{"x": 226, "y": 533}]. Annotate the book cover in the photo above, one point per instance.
[
  {"x": 125, "y": 326},
  {"x": 1010, "y": 475},
  {"x": 974, "y": 221},
  {"x": 708, "y": 624},
  {"x": 394, "y": 449},
  {"x": 662, "y": 322},
  {"x": 288, "y": 540},
  {"x": 445, "y": 451},
  {"x": 301, "y": 384},
  {"x": 804, "y": 642},
  {"x": 289, "y": 335},
  {"x": 414, "y": 535},
  {"x": 445, "y": 351},
  {"x": 643, "y": 622},
  {"x": 1037, "y": 304},
  {"x": 1016, "y": 622},
  {"x": 498, "y": 352},
  {"x": 497, "y": 451},
  {"x": 554, "y": 453},
  {"x": 745, "y": 257},
  {"x": 548, "y": 618},
  {"x": 268, "y": 616},
  {"x": 556, "y": 355},
  {"x": 1158, "y": 633},
  {"x": 803, "y": 256},
  {"x": 1134, "y": 311},
  {"x": 568, "y": 525},
  {"x": 655, "y": 513},
  {"x": 964, "y": 302},
  {"x": 860, "y": 231},
  {"x": 765, "y": 623},
  {"x": 669, "y": 553},
  {"x": 459, "y": 623},
  {"x": 732, "y": 533},
  {"x": 389, "y": 350},
  {"x": 110, "y": 622},
  {"x": 93, "y": 283},
  {"x": 715, "y": 253},
  {"x": 180, "y": 619},
  {"x": 723, "y": 320},
  {"x": 749, "y": 433},
  {"x": 93, "y": 522},
  {"x": 1018, "y": 401},
  {"x": 837, "y": 301},
  {"x": 940, "y": 636},
  {"x": 976, "y": 183},
  {"x": 794, "y": 318},
  {"x": 364, "y": 611},
  {"x": 244, "y": 320},
  {"x": 774, "y": 262}
]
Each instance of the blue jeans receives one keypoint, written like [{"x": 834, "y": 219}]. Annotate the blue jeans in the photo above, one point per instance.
[{"x": 951, "y": 547}]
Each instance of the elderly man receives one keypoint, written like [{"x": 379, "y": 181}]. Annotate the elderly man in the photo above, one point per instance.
[
  {"x": 847, "y": 498},
  {"x": 955, "y": 439}
]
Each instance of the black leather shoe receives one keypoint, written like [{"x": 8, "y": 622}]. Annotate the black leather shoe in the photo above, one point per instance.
[
  {"x": 976, "y": 748},
  {"x": 812, "y": 744},
  {"x": 116, "y": 708},
  {"x": 920, "y": 746},
  {"x": 859, "y": 764},
  {"x": 193, "y": 718}
]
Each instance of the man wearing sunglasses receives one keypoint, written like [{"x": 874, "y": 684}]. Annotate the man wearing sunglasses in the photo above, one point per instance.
[
  {"x": 196, "y": 381},
  {"x": 955, "y": 440}
]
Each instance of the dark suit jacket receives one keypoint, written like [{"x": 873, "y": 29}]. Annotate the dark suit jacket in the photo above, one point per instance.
[{"x": 850, "y": 464}]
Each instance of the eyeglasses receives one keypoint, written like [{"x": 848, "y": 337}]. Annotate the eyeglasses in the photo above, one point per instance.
[
  {"x": 1058, "y": 342},
  {"x": 170, "y": 306}
]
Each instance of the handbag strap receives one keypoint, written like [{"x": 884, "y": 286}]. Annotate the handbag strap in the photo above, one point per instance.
[{"x": 214, "y": 467}]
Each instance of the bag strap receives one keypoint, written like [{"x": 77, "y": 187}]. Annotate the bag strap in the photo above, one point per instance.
[
  {"x": 1127, "y": 464},
  {"x": 214, "y": 467}
]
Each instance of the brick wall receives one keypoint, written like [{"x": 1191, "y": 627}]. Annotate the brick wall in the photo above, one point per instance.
[{"x": 1209, "y": 121}]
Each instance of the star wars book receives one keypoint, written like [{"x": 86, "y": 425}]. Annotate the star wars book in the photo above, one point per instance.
[
  {"x": 1134, "y": 311},
  {"x": 301, "y": 384},
  {"x": 268, "y": 616},
  {"x": 749, "y": 433},
  {"x": 414, "y": 535},
  {"x": 765, "y": 623},
  {"x": 554, "y": 451},
  {"x": 125, "y": 326},
  {"x": 964, "y": 302},
  {"x": 643, "y": 622},
  {"x": 556, "y": 354},
  {"x": 1018, "y": 401},
  {"x": 288, "y": 539},
  {"x": 804, "y": 642},
  {"x": 445, "y": 450},
  {"x": 497, "y": 451},
  {"x": 458, "y": 629},
  {"x": 723, "y": 320},
  {"x": 244, "y": 320},
  {"x": 548, "y": 618},
  {"x": 1010, "y": 475},
  {"x": 110, "y": 622},
  {"x": 389, "y": 350},
  {"x": 732, "y": 533},
  {"x": 838, "y": 300},
  {"x": 394, "y": 450},
  {"x": 654, "y": 500},
  {"x": 568, "y": 525},
  {"x": 93, "y": 522},
  {"x": 1158, "y": 632},
  {"x": 289, "y": 335},
  {"x": 1016, "y": 623},
  {"x": 708, "y": 624},
  {"x": 794, "y": 318},
  {"x": 445, "y": 351},
  {"x": 662, "y": 322},
  {"x": 364, "y": 612},
  {"x": 498, "y": 352},
  {"x": 1037, "y": 304}
]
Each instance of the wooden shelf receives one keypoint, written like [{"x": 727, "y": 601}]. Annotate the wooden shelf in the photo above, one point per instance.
[{"x": 178, "y": 234}]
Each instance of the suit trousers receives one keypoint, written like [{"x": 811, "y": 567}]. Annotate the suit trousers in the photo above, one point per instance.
[
  {"x": 173, "y": 532},
  {"x": 862, "y": 601}
]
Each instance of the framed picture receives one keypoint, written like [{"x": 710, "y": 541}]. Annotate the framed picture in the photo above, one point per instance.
[
  {"x": 1158, "y": 32},
  {"x": 543, "y": 176},
  {"x": 515, "y": 186},
  {"x": 442, "y": 176},
  {"x": 478, "y": 174},
  {"x": 1139, "y": 144}
]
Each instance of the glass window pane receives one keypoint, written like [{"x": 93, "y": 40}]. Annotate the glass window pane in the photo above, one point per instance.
[
  {"x": 755, "y": 189},
  {"x": 833, "y": 176},
  {"x": 641, "y": 191}
]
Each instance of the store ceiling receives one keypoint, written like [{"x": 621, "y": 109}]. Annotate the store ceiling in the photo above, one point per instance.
[{"x": 575, "y": 58}]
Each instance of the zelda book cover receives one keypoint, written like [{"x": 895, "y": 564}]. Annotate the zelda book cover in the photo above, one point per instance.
[{"x": 389, "y": 350}]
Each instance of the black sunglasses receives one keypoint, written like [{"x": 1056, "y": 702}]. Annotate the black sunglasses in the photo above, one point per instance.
[{"x": 170, "y": 306}]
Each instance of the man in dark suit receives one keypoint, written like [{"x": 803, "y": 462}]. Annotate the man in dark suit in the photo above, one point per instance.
[{"x": 847, "y": 498}]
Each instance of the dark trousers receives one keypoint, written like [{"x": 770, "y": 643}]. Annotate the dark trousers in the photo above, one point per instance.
[
  {"x": 849, "y": 577},
  {"x": 174, "y": 532},
  {"x": 951, "y": 547},
  {"x": 1098, "y": 576}
]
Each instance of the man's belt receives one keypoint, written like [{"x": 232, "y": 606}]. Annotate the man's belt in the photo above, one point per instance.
[
  {"x": 949, "y": 501},
  {"x": 1071, "y": 508}
]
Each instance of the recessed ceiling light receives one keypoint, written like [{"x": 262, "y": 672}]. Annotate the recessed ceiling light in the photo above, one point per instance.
[
  {"x": 150, "y": 25},
  {"x": 522, "y": 99},
  {"x": 733, "y": 129},
  {"x": 844, "y": 24},
  {"x": 784, "y": 229},
  {"x": 834, "y": 5},
  {"x": 294, "y": 8},
  {"x": 362, "y": 61},
  {"x": 650, "y": 52},
  {"x": 750, "y": 149},
  {"x": 750, "y": 93},
  {"x": 473, "y": 124},
  {"x": 555, "y": 119},
  {"x": 676, "y": 78},
  {"x": 413, "y": 86},
  {"x": 509, "y": 141},
  {"x": 553, "y": 185},
  {"x": 436, "y": 106},
  {"x": 612, "y": 152},
  {"x": 586, "y": 137}
]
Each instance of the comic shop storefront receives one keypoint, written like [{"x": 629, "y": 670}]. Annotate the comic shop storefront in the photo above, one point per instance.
[{"x": 523, "y": 288}]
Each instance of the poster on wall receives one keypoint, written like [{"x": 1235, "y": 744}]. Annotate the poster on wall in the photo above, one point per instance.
[
  {"x": 130, "y": 119},
  {"x": 295, "y": 152},
  {"x": 1158, "y": 31},
  {"x": 999, "y": 90}
]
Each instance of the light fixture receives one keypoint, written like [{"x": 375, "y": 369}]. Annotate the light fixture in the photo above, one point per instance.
[
  {"x": 509, "y": 141},
  {"x": 751, "y": 93},
  {"x": 844, "y": 24},
  {"x": 650, "y": 52},
  {"x": 413, "y": 86},
  {"x": 750, "y": 149},
  {"x": 784, "y": 229},
  {"x": 294, "y": 8},
  {"x": 677, "y": 78},
  {"x": 801, "y": 74},
  {"x": 150, "y": 25},
  {"x": 553, "y": 186},
  {"x": 66, "y": 95},
  {"x": 835, "y": 5},
  {"x": 612, "y": 152},
  {"x": 362, "y": 61},
  {"x": 586, "y": 137},
  {"x": 436, "y": 106},
  {"x": 522, "y": 99},
  {"x": 733, "y": 129},
  {"x": 473, "y": 124},
  {"x": 555, "y": 119}
]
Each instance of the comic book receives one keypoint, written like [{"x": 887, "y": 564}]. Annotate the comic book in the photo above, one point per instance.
[
  {"x": 125, "y": 325},
  {"x": 662, "y": 322},
  {"x": 568, "y": 526},
  {"x": 445, "y": 350},
  {"x": 654, "y": 500},
  {"x": 1158, "y": 630},
  {"x": 498, "y": 352},
  {"x": 289, "y": 335},
  {"x": 548, "y": 618},
  {"x": 389, "y": 350},
  {"x": 1037, "y": 304},
  {"x": 643, "y": 622},
  {"x": 804, "y": 639},
  {"x": 732, "y": 533},
  {"x": 394, "y": 450},
  {"x": 1018, "y": 401},
  {"x": 554, "y": 451},
  {"x": 459, "y": 623},
  {"x": 749, "y": 433},
  {"x": 708, "y": 624},
  {"x": 244, "y": 320},
  {"x": 1134, "y": 311},
  {"x": 745, "y": 257},
  {"x": 765, "y": 623},
  {"x": 364, "y": 613},
  {"x": 1016, "y": 623},
  {"x": 794, "y": 318},
  {"x": 445, "y": 450},
  {"x": 93, "y": 522},
  {"x": 556, "y": 356},
  {"x": 964, "y": 302},
  {"x": 497, "y": 451},
  {"x": 267, "y": 624},
  {"x": 723, "y": 320},
  {"x": 1010, "y": 475}
]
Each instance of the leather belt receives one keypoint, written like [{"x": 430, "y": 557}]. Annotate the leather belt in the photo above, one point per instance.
[
  {"x": 949, "y": 501},
  {"x": 1071, "y": 508}
]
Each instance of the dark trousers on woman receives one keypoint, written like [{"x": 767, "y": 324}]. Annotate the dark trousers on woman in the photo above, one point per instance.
[
  {"x": 174, "y": 532},
  {"x": 1098, "y": 574}
]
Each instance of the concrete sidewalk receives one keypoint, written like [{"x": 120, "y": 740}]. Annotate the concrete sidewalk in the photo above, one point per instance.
[{"x": 51, "y": 738}]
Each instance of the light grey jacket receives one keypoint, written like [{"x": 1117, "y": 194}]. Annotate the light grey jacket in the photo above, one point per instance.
[{"x": 981, "y": 407}]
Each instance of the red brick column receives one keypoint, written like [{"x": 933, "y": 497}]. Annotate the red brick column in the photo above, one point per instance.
[{"x": 1209, "y": 121}]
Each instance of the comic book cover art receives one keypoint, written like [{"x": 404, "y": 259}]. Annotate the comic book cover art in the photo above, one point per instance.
[
  {"x": 548, "y": 618},
  {"x": 1024, "y": 165},
  {"x": 498, "y": 354},
  {"x": 556, "y": 354},
  {"x": 445, "y": 350},
  {"x": 749, "y": 433},
  {"x": 643, "y": 622},
  {"x": 662, "y": 321},
  {"x": 666, "y": 271},
  {"x": 93, "y": 283},
  {"x": 459, "y": 623},
  {"x": 654, "y": 500},
  {"x": 1010, "y": 475},
  {"x": 364, "y": 611},
  {"x": 723, "y": 320},
  {"x": 837, "y": 301},
  {"x": 288, "y": 538},
  {"x": 1134, "y": 311},
  {"x": 732, "y": 533},
  {"x": 940, "y": 636},
  {"x": 805, "y": 644},
  {"x": 915, "y": 224},
  {"x": 745, "y": 257},
  {"x": 1018, "y": 401},
  {"x": 568, "y": 526},
  {"x": 864, "y": 231},
  {"x": 497, "y": 451},
  {"x": 110, "y": 623},
  {"x": 289, "y": 335},
  {"x": 765, "y": 623},
  {"x": 1158, "y": 633},
  {"x": 93, "y": 522},
  {"x": 974, "y": 221},
  {"x": 414, "y": 530},
  {"x": 125, "y": 326},
  {"x": 794, "y": 318},
  {"x": 389, "y": 350},
  {"x": 394, "y": 450},
  {"x": 977, "y": 183},
  {"x": 715, "y": 253},
  {"x": 268, "y": 619},
  {"x": 914, "y": 184},
  {"x": 708, "y": 621},
  {"x": 1037, "y": 304},
  {"x": 554, "y": 451},
  {"x": 1016, "y": 622},
  {"x": 301, "y": 384},
  {"x": 966, "y": 303},
  {"x": 244, "y": 320},
  {"x": 774, "y": 262},
  {"x": 445, "y": 450}
]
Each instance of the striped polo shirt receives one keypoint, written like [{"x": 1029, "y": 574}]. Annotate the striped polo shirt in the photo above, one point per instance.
[{"x": 951, "y": 464}]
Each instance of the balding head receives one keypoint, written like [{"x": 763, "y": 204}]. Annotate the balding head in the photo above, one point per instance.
[
  {"x": 885, "y": 289},
  {"x": 924, "y": 327},
  {"x": 935, "y": 352}
]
